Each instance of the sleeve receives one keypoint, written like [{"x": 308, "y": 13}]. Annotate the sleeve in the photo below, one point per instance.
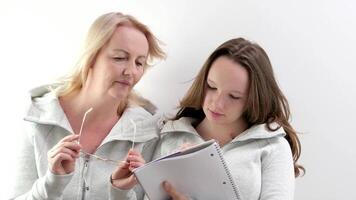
[
  {"x": 116, "y": 193},
  {"x": 278, "y": 172},
  {"x": 28, "y": 185}
]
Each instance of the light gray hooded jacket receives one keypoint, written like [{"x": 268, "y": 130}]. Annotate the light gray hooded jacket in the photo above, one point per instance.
[
  {"x": 46, "y": 124},
  {"x": 259, "y": 160}
]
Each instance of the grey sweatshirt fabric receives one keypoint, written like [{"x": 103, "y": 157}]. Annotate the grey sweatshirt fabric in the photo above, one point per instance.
[
  {"x": 259, "y": 160},
  {"x": 45, "y": 124}
]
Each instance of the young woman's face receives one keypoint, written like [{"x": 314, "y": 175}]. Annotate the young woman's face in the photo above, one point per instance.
[
  {"x": 226, "y": 92},
  {"x": 120, "y": 63}
]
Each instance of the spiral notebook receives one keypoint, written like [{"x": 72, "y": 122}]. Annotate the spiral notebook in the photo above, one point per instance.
[{"x": 199, "y": 172}]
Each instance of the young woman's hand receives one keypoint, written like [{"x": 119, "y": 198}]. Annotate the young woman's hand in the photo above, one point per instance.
[
  {"x": 122, "y": 177},
  {"x": 61, "y": 158},
  {"x": 175, "y": 195},
  {"x": 185, "y": 146}
]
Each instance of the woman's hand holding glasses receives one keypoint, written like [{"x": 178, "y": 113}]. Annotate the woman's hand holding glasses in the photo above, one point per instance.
[
  {"x": 62, "y": 157},
  {"x": 122, "y": 177}
]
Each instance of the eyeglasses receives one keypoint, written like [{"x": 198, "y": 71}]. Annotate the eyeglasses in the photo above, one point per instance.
[{"x": 116, "y": 162}]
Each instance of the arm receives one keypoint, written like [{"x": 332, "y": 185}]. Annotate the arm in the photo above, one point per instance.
[
  {"x": 278, "y": 172},
  {"x": 120, "y": 191},
  {"x": 28, "y": 184},
  {"x": 123, "y": 180},
  {"x": 116, "y": 193},
  {"x": 26, "y": 169}
]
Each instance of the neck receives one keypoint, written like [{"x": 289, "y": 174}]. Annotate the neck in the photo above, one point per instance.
[
  {"x": 222, "y": 133},
  {"x": 104, "y": 112}
]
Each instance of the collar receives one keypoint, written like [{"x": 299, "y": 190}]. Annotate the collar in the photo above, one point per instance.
[
  {"x": 46, "y": 109},
  {"x": 146, "y": 126},
  {"x": 259, "y": 131}
]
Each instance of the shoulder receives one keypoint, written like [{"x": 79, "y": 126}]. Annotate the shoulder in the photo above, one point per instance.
[
  {"x": 42, "y": 101},
  {"x": 270, "y": 140},
  {"x": 39, "y": 96},
  {"x": 136, "y": 100},
  {"x": 137, "y": 119},
  {"x": 270, "y": 143},
  {"x": 275, "y": 150},
  {"x": 138, "y": 111},
  {"x": 276, "y": 144},
  {"x": 176, "y": 132},
  {"x": 183, "y": 124}
]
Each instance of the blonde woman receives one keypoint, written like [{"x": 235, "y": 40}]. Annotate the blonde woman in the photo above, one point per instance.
[
  {"x": 86, "y": 134},
  {"x": 236, "y": 100}
]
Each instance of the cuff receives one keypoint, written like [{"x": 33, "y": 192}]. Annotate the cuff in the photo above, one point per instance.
[
  {"x": 55, "y": 184},
  {"x": 116, "y": 193}
]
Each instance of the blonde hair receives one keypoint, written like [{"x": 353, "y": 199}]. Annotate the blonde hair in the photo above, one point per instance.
[
  {"x": 265, "y": 103},
  {"x": 98, "y": 35}
]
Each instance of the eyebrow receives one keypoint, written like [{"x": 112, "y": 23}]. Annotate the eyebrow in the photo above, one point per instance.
[
  {"x": 233, "y": 91},
  {"x": 127, "y": 53}
]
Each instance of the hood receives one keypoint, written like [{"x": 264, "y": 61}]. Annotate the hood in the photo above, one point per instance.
[
  {"x": 260, "y": 131},
  {"x": 45, "y": 109}
]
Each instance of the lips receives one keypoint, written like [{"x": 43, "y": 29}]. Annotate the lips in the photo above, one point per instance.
[
  {"x": 123, "y": 82},
  {"x": 217, "y": 114}
]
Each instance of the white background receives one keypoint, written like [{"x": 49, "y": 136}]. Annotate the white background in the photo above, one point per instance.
[{"x": 311, "y": 45}]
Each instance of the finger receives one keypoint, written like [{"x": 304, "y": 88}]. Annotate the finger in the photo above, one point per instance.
[
  {"x": 61, "y": 157},
  {"x": 135, "y": 165},
  {"x": 53, "y": 153},
  {"x": 125, "y": 183},
  {"x": 71, "y": 145},
  {"x": 185, "y": 146},
  {"x": 121, "y": 167},
  {"x": 172, "y": 191},
  {"x": 69, "y": 138},
  {"x": 127, "y": 155},
  {"x": 133, "y": 152},
  {"x": 134, "y": 158},
  {"x": 55, "y": 164},
  {"x": 132, "y": 180}
]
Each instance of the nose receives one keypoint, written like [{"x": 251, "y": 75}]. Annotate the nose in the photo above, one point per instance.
[
  {"x": 218, "y": 102},
  {"x": 130, "y": 68}
]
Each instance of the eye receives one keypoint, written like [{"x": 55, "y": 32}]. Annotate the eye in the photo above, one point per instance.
[
  {"x": 139, "y": 64},
  {"x": 119, "y": 58},
  {"x": 234, "y": 97},
  {"x": 210, "y": 87}
]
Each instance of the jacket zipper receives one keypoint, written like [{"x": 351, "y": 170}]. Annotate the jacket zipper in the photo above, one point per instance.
[{"x": 85, "y": 168}]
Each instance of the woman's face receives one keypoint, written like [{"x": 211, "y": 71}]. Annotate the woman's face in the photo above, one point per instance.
[
  {"x": 226, "y": 92},
  {"x": 120, "y": 63}
]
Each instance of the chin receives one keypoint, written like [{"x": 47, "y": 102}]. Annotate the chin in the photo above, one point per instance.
[
  {"x": 216, "y": 121},
  {"x": 118, "y": 95}
]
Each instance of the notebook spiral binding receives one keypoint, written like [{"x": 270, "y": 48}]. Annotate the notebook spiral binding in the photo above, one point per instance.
[{"x": 231, "y": 180}]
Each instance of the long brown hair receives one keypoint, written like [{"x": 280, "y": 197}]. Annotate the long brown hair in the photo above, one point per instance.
[{"x": 265, "y": 103}]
